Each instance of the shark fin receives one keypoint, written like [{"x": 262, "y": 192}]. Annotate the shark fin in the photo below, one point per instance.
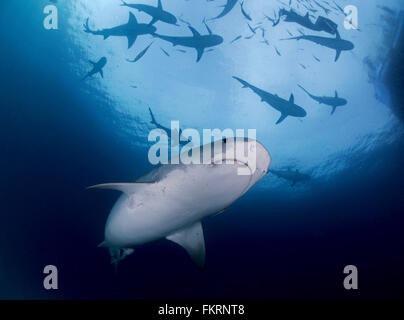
[
  {"x": 106, "y": 36},
  {"x": 292, "y": 98},
  {"x": 283, "y": 117},
  {"x": 127, "y": 188},
  {"x": 333, "y": 109},
  {"x": 338, "y": 54},
  {"x": 337, "y": 35},
  {"x": 131, "y": 41},
  {"x": 200, "y": 53},
  {"x": 132, "y": 19},
  {"x": 194, "y": 32},
  {"x": 101, "y": 73},
  {"x": 153, "y": 21},
  {"x": 159, "y": 5},
  {"x": 92, "y": 62},
  {"x": 192, "y": 240},
  {"x": 336, "y": 94}
]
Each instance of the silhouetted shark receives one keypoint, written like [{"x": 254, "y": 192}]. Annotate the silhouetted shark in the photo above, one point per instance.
[
  {"x": 157, "y": 13},
  {"x": 130, "y": 30},
  {"x": 334, "y": 102},
  {"x": 291, "y": 175},
  {"x": 167, "y": 130},
  {"x": 336, "y": 43},
  {"x": 285, "y": 107},
  {"x": 227, "y": 8},
  {"x": 321, "y": 24},
  {"x": 97, "y": 67},
  {"x": 197, "y": 41}
]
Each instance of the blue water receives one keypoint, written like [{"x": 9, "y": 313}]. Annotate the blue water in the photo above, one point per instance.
[{"x": 60, "y": 134}]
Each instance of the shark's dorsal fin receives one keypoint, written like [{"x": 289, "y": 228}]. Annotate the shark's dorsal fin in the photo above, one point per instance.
[
  {"x": 307, "y": 15},
  {"x": 194, "y": 32},
  {"x": 132, "y": 18},
  {"x": 159, "y": 5},
  {"x": 336, "y": 94},
  {"x": 337, "y": 35},
  {"x": 127, "y": 188},
  {"x": 283, "y": 117},
  {"x": 292, "y": 98},
  {"x": 192, "y": 240}
]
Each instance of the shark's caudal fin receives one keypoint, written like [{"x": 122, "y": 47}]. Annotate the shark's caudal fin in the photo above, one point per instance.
[
  {"x": 283, "y": 117},
  {"x": 192, "y": 240},
  {"x": 305, "y": 90},
  {"x": 244, "y": 83}
]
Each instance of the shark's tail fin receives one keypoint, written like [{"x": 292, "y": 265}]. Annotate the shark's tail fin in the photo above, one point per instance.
[
  {"x": 123, "y": 4},
  {"x": 153, "y": 120},
  {"x": 244, "y": 83}
]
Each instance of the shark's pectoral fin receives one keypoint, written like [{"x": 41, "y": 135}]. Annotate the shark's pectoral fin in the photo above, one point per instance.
[
  {"x": 338, "y": 54},
  {"x": 283, "y": 117},
  {"x": 200, "y": 53},
  {"x": 192, "y": 240},
  {"x": 101, "y": 73},
  {"x": 131, "y": 41},
  {"x": 333, "y": 109},
  {"x": 127, "y": 188},
  {"x": 153, "y": 21}
]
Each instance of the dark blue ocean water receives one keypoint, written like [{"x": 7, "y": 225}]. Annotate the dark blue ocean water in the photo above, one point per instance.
[{"x": 60, "y": 135}]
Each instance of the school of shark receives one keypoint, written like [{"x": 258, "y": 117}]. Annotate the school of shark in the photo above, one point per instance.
[{"x": 136, "y": 217}]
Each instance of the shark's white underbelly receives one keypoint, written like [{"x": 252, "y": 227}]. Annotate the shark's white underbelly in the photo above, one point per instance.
[{"x": 185, "y": 195}]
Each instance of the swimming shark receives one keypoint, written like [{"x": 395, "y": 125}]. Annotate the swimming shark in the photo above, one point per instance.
[
  {"x": 172, "y": 200},
  {"x": 97, "y": 67},
  {"x": 167, "y": 130},
  {"x": 291, "y": 175},
  {"x": 321, "y": 24},
  {"x": 197, "y": 41},
  {"x": 334, "y": 102},
  {"x": 336, "y": 43},
  {"x": 157, "y": 13},
  {"x": 227, "y": 8},
  {"x": 130, "y": 30},
  {"x": 285, "y": 107}
]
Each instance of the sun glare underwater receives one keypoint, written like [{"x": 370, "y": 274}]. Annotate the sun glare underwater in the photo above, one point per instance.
[{"x": 323, "y": 94}]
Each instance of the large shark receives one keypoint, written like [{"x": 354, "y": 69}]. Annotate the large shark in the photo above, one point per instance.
[
  {"x": 336, "y": 43},
  {"x": 197, "y": 41},
  {"x": 167, "y": 130},
  {"x": 130, "y": 30},
  {"x": 291, "y": 175},
  {"x": 97, "y": 68},
  {"x": 334, "y": 102},
  {"x": 285, "y": 107},
  {"x": 226, "y": 8},
  {"x": 171, "y": 201},
  {"x": 157, "y": 13}
]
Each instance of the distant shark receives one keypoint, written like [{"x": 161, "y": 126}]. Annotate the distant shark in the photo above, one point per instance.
[
  {"x": 334, "y": 102},
  {"x": 291, "y": 175},
  {"x": 336, "y": 43},
  {"x": 197, "y": 41},
  {"x": 167, "y": 130},
  {"x": 157, "y": 13},
  {"x": 227, "y": 8},
  {"x": 130, "y": 30},
  {"x": 97, "y": 67},
  {"x": 285, "y": 107}
]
